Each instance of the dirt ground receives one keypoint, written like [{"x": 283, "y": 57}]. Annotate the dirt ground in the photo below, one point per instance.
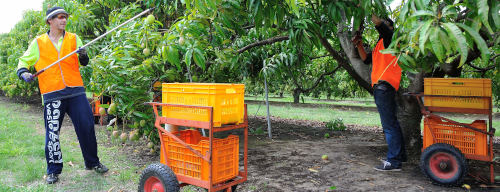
[{"x": 292, "y": 160}]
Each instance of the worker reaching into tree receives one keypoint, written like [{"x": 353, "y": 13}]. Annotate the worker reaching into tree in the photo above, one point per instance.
[
  {"x": 62, "y": 90},
  {"x": 385, "y": 77}
]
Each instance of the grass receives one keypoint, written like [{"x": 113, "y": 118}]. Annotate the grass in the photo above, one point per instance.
[
  {"x": 364, "y": 102},
  {"x": 318, "y": 114},
  {"x": 323, "y": 113},
  {"x": 22, "y": 158}
]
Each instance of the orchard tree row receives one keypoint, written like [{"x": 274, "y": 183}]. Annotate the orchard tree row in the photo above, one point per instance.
[{"x": 298, "y": 46}]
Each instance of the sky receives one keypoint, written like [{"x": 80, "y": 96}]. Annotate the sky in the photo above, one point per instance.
[{"x": 11, "y": 11}]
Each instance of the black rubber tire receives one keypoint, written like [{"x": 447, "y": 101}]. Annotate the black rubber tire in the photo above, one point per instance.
[
  {"x": 454, "y": 154},
  {"x": 163, "y": 173}
]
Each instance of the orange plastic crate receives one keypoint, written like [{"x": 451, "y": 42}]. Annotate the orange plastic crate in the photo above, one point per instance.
[
  {"x": 467, "y": 140},
  {"x": 225, "y": 156},
  {"x": 227, "y": 100},
  {"x": 457, "y": 87}
]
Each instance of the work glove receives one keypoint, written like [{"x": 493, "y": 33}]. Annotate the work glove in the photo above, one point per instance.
[
  {"x": 81, "y": 51},
  {"x": 28, "y": 77}
]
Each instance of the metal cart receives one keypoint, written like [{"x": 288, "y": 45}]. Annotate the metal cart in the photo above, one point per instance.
[
  {"x": 160, "y": 177},
  {"x": 444, "y": 162}
]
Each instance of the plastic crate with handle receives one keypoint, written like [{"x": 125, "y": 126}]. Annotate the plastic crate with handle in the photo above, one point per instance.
[
  {"x": 457, "y": 87},
  {"x": 467, "y": 140},
  {"x": 225, "y": 156},
  {"x": 227, "y": 101}
]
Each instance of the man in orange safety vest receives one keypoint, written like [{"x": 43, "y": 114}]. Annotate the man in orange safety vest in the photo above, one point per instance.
[
  {"x": 385, "y": 79},
  {"x": 62, "y": 91}
]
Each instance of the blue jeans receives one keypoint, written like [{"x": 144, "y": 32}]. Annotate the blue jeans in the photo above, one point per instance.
[
  {"x": 78, "y": 109},
  {"x": 385, "y": 99}
]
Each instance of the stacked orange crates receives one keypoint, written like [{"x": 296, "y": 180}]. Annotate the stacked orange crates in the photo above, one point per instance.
[
  {"x": 227, "y": 101},
  {"x": 467, "y": 140}
]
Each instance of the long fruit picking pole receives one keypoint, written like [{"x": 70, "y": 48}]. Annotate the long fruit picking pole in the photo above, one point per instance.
[{"x": 100, "y": 37}]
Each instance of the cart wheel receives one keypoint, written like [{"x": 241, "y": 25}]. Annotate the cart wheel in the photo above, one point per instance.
[
  {"x": 444, "y": 165},
  {"x": 158, "y": 178}
]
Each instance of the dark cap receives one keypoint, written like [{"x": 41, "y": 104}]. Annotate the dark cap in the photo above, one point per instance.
[{"x": 53, "y": 11}]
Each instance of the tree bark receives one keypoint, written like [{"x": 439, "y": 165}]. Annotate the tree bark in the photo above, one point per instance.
[
  {"x": 409, "y": 114},
  {"x": 281, "y": 94},
  {"x": 296, "y": 95}
]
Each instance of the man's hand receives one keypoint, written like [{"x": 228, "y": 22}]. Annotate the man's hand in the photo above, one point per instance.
[
  {"x": 28, "y": 77},
  {"x": 357, "y": 39},
  {"x": 81, "y": 51}
]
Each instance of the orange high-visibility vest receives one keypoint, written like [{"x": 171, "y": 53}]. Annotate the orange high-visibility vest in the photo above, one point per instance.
[
  {"x": 64, "y": 74},
  {"x": 385, "y": 67}
]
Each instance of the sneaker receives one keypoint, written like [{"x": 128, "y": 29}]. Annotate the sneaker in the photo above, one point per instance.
[
  {"x": 52, "y": 178},
  {"x": 112, "y": 121},
  {"x": 385, "y": 159},
  {"x": 386, "y": 166},
  {"x": 98, "y": 168}
]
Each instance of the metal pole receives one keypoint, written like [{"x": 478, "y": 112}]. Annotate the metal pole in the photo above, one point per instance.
[
  {"x": 267, "y": 104},
  {"x": 100, "y": 37}
]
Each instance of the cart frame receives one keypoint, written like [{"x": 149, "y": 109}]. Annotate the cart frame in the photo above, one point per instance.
[
  {"x": 242, "y": 175},
  {"x": 427, "y": 111}
]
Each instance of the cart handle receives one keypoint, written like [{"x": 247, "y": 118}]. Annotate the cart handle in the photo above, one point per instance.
[{"x": 159, "y": 120}]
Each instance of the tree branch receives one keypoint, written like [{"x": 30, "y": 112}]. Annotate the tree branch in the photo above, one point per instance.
[
  {"x": 345, "y": 64},
  {"x": 481, "y": 69},
  {"x": 263, "y": 42},
  {"x": 321, "y": 77},
  {"x": 452, "y": 70},
  {"x": 293, "y": 78}
]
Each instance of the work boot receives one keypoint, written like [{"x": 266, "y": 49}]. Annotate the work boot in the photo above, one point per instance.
[
  {"x": 98, "y": 168},
  {"x": 52, "y": 178}
]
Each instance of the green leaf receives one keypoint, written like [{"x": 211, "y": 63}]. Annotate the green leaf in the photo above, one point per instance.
[
  {"x": 188, "y": 4},
  {"x": 404, "y": 11},
  {"x": 409, "y": 59},
  {"x": 333, "y": 187},
  {"x": 446, "y": 41},
  {"x": 436, "y": 44},
  {"x": 483, "y": 13},
  {"x": 389, "y": 51},
  {"x": 424, "y": 34},
  {"x": 481, "y": 44},
  {"x": 199, "y": 59},
  {"x": 187, "y": 57},
  {"x": 293, "y": 5},
  {"x": 423, "y": 13},
  {"x": 104, "y": 105},
  {"x": 173, "y": 56},
  {"x": 141, "y": 115},
  {"x": 495, "y": 9},
  {"x": 164, "y": 54},
  {"x": 456, "y": 35}
]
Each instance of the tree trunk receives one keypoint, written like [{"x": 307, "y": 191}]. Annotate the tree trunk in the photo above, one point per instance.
[
  {"x": 281, "y": 95},
  {"x": 296, "y": 95},
  {"x": 409, "y": 114}
]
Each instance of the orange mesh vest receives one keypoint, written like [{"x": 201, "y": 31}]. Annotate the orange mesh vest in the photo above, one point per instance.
[
  {"x": 64, "y": 74},
  {"x": 385, "y": 67}
]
